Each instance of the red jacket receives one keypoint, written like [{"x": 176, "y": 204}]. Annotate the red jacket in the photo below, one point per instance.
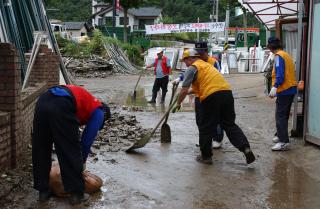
[
  {"x": 86, "y": 103},
  {"x": 165, "y": 69}
]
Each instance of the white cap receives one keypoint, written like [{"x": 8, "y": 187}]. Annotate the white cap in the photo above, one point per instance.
[{"x": 159, "y": 49}]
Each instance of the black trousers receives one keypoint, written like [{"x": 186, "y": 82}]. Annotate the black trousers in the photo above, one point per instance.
[
  {"x": 283, "y": 107},
  {"x": 218, "y": 134},
  {"x": 160, "y": 83},
  {"x": 55, "y": 122},
  {"x": 218, "y": 108}
]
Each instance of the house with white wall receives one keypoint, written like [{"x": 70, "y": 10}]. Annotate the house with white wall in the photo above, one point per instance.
[
  {"x": 137, "y": 18},
  {"x": 76, "y": 29}
]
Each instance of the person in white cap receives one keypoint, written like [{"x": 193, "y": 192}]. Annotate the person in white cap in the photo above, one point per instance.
[{"x": 162, "y": 69}]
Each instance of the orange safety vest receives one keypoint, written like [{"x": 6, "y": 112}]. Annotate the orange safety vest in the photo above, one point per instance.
[
  {"x": 208, "y": 81},
  {"x": 289, "y": 72}
]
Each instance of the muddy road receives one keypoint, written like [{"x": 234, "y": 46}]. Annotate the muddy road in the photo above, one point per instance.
[{"x": 167, "y": 175}]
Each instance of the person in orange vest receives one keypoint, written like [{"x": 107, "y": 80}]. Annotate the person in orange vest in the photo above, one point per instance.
[
  {"x": 284, "y": 87},
  {"x": 59, "y": 113},
  {"x": 217, "y": 106},
  {"x": 162, "y": 70},
  {"x": 202, "y": 49}
]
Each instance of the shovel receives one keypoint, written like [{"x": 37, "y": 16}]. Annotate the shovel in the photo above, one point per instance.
[
  {"x": 145, "y": 139},
  {"x": 135, "y": 87},
  {"x": 165, "y": 128}
]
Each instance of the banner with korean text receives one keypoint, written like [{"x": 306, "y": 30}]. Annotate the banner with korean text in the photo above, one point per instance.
[{"x": 210, "y": 27}]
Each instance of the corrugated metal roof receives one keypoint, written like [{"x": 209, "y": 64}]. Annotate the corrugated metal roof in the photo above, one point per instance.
[
  {"x": 140, "y": 12},
  {"x": 145, "y": 12},
  {"x": 267, "y": 11},
  {"x": 74, "y": 25}
]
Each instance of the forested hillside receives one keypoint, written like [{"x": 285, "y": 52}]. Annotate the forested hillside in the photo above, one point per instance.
[{"x": 174, "y": 11}]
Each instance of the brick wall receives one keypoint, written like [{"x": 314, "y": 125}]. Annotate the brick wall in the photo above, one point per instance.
[
  {"x": 45, "y": 69},
  {"x": 29, "y": 98},
  {"x": 5, "y": 156},
  {"x": 10, "y": 80},
  {"x": 16, "y": 106}
]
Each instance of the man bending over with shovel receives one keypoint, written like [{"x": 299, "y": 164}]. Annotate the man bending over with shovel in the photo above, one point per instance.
[
  {"x": 58, "y": 114},
  {"x": 217, "y": 106}
]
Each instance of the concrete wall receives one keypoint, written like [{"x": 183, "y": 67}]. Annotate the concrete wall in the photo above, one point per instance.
[{"x": 17, "y": 106}]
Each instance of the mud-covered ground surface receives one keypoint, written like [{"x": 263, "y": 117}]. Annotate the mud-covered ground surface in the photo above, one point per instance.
[{"x": 167, "y": 176}]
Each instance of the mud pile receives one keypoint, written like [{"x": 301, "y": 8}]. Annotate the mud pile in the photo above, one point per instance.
[{"x": 120, "y": 133}]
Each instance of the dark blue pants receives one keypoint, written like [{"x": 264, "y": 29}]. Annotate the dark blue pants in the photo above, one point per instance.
[
  {"x": 283, "y": 107},
  {"x": 218, "y": 132},
  {"x": 160, "y": 83},
  {"x": 218, "y": 108},
  {"x": 55, "y": 122}
]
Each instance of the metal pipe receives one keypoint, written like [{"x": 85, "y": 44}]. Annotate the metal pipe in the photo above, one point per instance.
[{"x": 298, "y": 63}]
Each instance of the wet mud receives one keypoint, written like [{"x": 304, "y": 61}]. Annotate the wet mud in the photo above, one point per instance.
[{"x": 167, "y": 175}]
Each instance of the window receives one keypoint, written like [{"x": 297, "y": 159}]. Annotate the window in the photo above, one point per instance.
[
  {"x": 142, "y": 23},
  {"x": 122, "y": 20},
  {"x": 100, "y": 21},
  {"x": 108, "y": 21}
]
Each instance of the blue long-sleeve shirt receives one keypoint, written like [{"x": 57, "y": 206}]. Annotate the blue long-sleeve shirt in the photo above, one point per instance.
[
  {"x": 280, "y": 76},
  {"x": 92, "y": 127},
  {"x": 217, "y": 66}
]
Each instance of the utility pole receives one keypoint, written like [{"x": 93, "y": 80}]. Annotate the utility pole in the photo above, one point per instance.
[
  {"x": 198, "y": 33},
  {"x": 217, "y": 10},
  {"x": 245, "y": 40},
  {"x": 212, "y": 19},
  {"x": 113, "y": 18},
  {"x": 227, "y": 24}
]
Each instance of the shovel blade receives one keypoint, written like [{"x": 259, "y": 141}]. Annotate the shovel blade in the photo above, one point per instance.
[
  {"x": 140, "y": 143},
  {"x": 165, "y": 133}
]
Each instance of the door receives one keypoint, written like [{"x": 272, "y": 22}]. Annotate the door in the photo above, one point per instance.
[{"x": 313, "y": 106}]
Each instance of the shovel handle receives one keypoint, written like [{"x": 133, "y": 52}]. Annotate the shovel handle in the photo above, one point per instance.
[
  {"x": 164, "y": 116},
  {"x": 174, "y": 89}
]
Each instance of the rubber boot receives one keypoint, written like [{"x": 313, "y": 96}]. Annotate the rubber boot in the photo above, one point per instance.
[
  {"x": 163, "y": 98},
  {"x": 153, "y": 100}
]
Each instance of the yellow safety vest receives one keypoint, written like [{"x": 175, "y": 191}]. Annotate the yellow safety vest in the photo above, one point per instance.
[
  {"x": 211, "y": 60},
  {"x": 289, "y": 74},
  {"x": 208, "y": 81}
]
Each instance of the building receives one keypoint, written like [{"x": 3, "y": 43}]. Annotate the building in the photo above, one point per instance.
[
  {"x": 75, "y": 29},
  {"x": 137, "y": 18},
  {"x": 304, "y": 47}
]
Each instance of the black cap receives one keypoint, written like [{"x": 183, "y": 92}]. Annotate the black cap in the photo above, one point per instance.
[
  {"x": 274, "y": 43},
  {"x": 273, "y": 40},
  {"x": 201, "y": 45}
]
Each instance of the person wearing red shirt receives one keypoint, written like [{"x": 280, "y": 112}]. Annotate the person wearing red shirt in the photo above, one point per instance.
[{"x": 59, "y": 113}]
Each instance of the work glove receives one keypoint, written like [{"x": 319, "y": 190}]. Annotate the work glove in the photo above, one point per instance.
[
  {"x": 273, "y": 92},
  {"x": 176, "y": 108},
  {"x": 176, "y": 81}
]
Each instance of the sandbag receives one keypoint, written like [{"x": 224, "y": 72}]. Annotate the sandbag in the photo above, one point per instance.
[{"x": 93, "y": 183}]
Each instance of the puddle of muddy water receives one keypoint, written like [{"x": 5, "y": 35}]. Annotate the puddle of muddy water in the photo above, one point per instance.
[{"x": 143, "y": 95}]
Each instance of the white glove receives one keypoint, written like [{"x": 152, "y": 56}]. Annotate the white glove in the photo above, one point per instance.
[
  {"x": 273, "y": 92},
  {"x": 176, "y": 81}
]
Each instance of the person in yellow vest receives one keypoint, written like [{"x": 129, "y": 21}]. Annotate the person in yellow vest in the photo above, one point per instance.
[
  {"x": 217, "y": 106},
  {"x": 202, "y": 48},
  {"x": 284, "y": 87}
]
